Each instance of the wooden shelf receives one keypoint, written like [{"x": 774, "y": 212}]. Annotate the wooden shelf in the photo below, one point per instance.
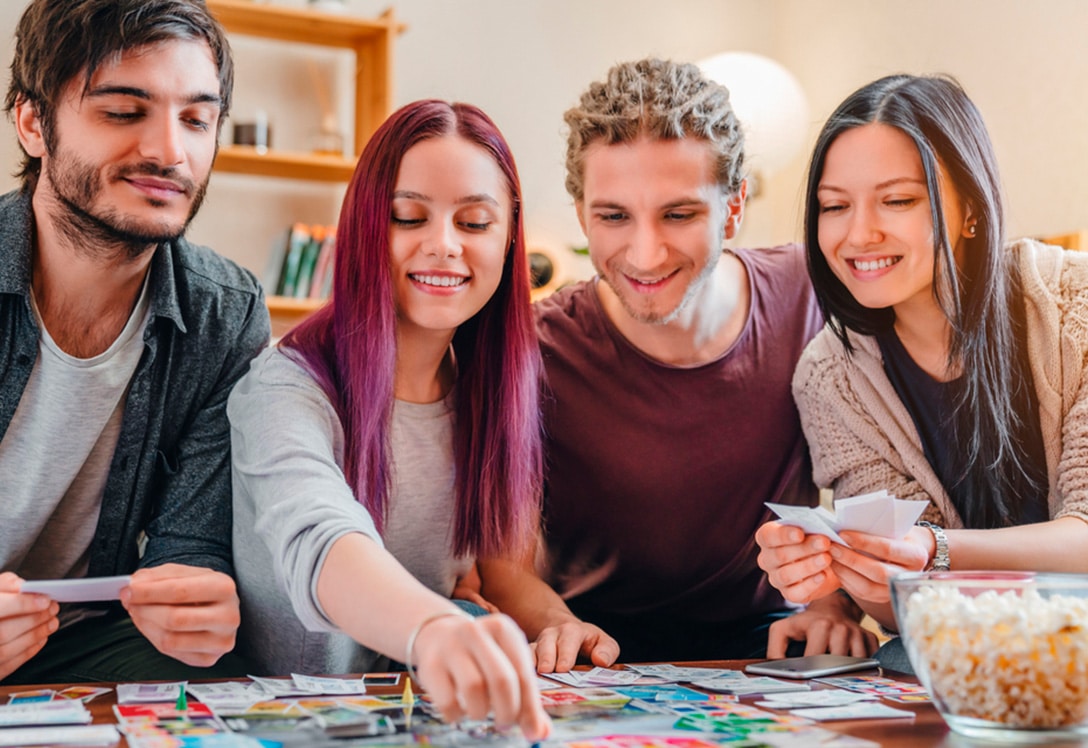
[
  {"x": 244, "y": 159},
  {"x": 302, "y": 25},
  {"x": 286, "y": 312},
  {"x": 1072, "y": 240},
  {"x": 372, "y": 41}
]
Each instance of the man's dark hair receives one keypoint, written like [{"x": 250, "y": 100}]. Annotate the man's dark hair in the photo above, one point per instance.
[{"x": 56, "y": 40}]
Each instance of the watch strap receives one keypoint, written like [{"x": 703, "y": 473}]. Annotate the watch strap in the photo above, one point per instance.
[{"x": 941, "y": 560}]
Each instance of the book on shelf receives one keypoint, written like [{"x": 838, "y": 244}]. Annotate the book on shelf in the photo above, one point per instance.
[
  {"x": 306, "y": 265},
  {"x": 301, "y": 264},
  {"x": 321, "y": 285}
]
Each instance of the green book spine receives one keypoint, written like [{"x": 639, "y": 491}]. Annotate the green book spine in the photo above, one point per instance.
[
  {"x": 309, "y": 262},
  {"x": 300, "y": 236}
]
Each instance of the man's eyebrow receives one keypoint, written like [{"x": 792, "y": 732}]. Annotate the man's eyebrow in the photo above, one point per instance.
[
  {"x": 144, "y": 94},
  {"x": 684, "y": 202}
]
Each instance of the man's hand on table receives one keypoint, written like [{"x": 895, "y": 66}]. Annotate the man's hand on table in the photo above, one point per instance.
[
  {"x": 188, "y": 612},
  {"x": 26, "y": 621},
  {"x": 828, "y": 625},
  {"x": 558, "y": 647}
]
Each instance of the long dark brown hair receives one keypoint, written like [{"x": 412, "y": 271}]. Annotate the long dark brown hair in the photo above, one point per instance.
[{"x": 980, "y": 297}]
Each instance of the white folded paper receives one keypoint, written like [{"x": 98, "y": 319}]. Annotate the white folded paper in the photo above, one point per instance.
[{"x": 877, "y": 513}]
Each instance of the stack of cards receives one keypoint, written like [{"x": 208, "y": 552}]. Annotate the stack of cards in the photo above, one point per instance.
[
  {"x": 598, "y": 676},
  {"x": 160, "y": 724},
  {"x": 60, "y": 712},
  {"x": 876, "y": 513},
  {"x": 886, "y": 688},
  {"x": 676, "y": 674},
  {"x": 149, "y": 693},
  {"x": 744, "y": 686}
]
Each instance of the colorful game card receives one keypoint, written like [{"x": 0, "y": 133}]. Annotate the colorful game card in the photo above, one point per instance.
[
  {"x": 861, "y": 710},
  {"x": 144, "y": 712},
  {"x": 645, "y": 741},
  {"x": 227, "y": 697},
  {"x": 149, "y": 693},
  {"x": 746, "y": 686},
  {"x": 887, "y": 688},
  {"x": 278, "y": 688},
  {"x": 267, "y": 725},
  {"x": 666, "y": 692},
  {"x": 30, "y": 697},
  {"x": 328, "y": 686},
  {"x": 599, "y": 696},
  {"x": 676, "y": 674},
  {"x": 382, "y": 679},
  {"x": 371, "y": 703},
  {"x": 823, "y": 697},
  {"x": 144, "y": 721},
  {"x": 82, "y": 693}
]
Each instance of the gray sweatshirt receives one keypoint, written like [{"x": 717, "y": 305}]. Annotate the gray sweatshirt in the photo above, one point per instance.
[{"x": 291, "y": 503}]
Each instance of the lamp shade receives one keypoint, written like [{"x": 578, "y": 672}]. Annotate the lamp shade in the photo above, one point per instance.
[{"x": 769, "y": 103}]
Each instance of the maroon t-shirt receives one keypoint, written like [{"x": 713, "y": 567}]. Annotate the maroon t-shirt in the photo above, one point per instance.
[{"x": 656, "y": 474}]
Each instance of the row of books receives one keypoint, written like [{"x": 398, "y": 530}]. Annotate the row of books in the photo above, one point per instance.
[{"x": 301, "y": 265}]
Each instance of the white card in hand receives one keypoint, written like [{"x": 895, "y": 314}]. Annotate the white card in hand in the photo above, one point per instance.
[
  {"x": 876, "y": 513},
  {"x": 86, "y": 590},
  {"x": 813, "y": 520}
]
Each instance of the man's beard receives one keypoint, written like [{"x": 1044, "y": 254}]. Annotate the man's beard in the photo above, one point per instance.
[
  {"x": 653, "y": 316},
  {"x": 108, "y": 233}
]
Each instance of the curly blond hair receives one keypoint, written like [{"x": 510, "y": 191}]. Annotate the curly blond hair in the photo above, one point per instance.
[{"x": 659, "y": 99}]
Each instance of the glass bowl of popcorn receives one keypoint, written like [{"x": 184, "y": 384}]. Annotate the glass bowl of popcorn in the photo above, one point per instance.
[{"x": 1003, "y": 654}]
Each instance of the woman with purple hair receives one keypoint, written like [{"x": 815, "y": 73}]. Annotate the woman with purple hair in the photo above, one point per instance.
[{"x": 393, "y": 439}]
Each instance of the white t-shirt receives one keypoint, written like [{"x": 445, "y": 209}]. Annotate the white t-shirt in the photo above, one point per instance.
[{"x": 55, "y": 456}]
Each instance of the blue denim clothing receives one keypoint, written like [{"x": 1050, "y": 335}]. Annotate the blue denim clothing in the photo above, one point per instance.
[{"x": 170, "y": 474}]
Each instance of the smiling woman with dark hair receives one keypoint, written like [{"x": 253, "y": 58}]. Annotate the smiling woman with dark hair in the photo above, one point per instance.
[{"x": 952, "y": 370}]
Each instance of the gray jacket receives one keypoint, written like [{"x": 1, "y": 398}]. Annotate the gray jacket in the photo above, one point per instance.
[{"x": 170, "y": 474}]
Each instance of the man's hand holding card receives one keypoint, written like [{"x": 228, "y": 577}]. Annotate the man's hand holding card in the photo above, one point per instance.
[{"x": 26, "y": 621}]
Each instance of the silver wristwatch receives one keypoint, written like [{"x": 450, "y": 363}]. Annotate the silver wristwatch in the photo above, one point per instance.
[{"x": 941, "y": 561}]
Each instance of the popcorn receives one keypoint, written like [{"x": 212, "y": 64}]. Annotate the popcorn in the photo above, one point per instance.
[{"x": 1013, "y": 657}]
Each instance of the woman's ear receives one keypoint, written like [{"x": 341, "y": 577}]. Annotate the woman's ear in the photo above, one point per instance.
[{"x": 970, "y": 223}]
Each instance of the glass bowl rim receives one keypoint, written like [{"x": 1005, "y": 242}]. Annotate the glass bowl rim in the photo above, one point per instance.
[{"x": 1042, "y": 579}]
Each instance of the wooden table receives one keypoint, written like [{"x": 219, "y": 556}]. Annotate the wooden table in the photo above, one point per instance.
[{"x": 926, "y": 729}]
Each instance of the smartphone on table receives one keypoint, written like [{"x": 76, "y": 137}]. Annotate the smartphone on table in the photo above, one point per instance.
[{"x": 811, "y": 666}]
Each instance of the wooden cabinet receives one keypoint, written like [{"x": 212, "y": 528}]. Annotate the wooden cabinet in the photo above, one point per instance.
[
  {"x": 1073, "y": 240},
  {"x": 371, "y": 39}
]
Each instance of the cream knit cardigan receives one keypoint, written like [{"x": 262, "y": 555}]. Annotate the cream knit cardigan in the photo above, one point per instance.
[{"x": 863, "y": 439}]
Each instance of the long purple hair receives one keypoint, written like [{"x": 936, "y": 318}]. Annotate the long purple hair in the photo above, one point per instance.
[{"x": 349, "y": 347}]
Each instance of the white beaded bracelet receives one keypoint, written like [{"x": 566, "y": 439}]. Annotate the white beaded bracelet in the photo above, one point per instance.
[{"x": 419, "y": 627}]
